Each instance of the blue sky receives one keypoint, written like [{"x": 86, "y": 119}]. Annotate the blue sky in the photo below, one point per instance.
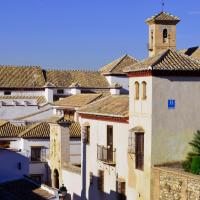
[{"x": 85, "y": 34}]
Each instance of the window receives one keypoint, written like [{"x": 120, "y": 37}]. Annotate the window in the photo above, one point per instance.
[
  {"x": 165, "y": 35},
  {"x": 101, "y": 180},
  {"x": 121, "y": 189},
  {"x": 139, "y": 151},
  {"x": 144, "y": 90},
  {"x": 137, "y": 90},
  {"x": 4, "y": 144},
  {"x": 35, "y": 153},
  {"x": 60, "y": 91},
  {"x": 7, "y": 92}
]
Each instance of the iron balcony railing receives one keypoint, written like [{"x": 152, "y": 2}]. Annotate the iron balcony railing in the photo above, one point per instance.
[{"x": 106, "y": 154}]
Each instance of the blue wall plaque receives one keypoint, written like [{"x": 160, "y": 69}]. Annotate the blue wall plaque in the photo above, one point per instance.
[{"x": 171, "y": 104}]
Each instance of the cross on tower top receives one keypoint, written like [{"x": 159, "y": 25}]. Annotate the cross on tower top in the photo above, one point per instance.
[{"x": 163, "y": 5}]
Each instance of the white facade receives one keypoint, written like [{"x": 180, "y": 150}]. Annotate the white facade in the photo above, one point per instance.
[
  {"x": 167, "y": 131},
  {"x": 13, "y": 165},
  {"x": 90, "y": 163},
  {"x": 40, "y": 168}
]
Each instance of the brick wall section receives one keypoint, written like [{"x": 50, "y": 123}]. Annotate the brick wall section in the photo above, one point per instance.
[{"x": 174, "y": 184}]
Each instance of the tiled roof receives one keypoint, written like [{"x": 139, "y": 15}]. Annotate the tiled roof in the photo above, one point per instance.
[
  {"x": 84, "y": 79},
  {"x": 193, "y": 52},
  {"x": 38, "y": 130},
  {"x": 168, "y": 60},
  {"x": 75, "y": 130},
  {"x": 163, "y": 16},
  {"x": 113, "y": 105},
  {"x": 40, "y": 99},
  {"x": 21, "y": 77},
  {"x": 10, "y": 130},
  {"x": 23, "y": 190},
  {"x": 78, "y": 100},
  {"x": 118, "y": 65}
]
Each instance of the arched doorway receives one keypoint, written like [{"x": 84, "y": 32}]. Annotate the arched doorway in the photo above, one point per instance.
[{"x": 56, "y": 179}]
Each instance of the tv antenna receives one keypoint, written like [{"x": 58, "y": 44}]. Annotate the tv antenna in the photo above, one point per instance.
[{"x": 163, "y": 5}]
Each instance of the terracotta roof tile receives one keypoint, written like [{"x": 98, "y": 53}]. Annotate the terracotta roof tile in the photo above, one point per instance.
[
  {"x": 38, "y": 130},
  {"x": 21, "y": 77},
  {"x": 78, "y": 100},
  {"x": 168, "y": 60},
  {"x": 113, "y": 105},
  {"x": 75, "y": 130},
  {"x": 118, "y": 65},
  {"x": 163, "y": 16},
  {"x": 10, "y": 130},
  {"x": 85, "y": 79}
]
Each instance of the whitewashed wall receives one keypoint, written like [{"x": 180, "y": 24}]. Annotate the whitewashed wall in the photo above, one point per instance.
[
  {"x": 73, "y": 183},
  {"x": 75, "y": 151},
  {"x": 98, "y": 135},
  {"x": 9, "y": 167},
  {"x": 140, "y": 114},
  {"x": 174, "y": 128}
]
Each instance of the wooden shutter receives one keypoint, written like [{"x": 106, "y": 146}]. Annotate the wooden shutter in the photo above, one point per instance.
[
  {"x": 101, "y": 180},
  {"x": 88, "y": 134},
  {"x": 139, "y": 141}
]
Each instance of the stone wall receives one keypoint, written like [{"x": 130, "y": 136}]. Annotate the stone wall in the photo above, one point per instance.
[{"x": 174, "y": 184}]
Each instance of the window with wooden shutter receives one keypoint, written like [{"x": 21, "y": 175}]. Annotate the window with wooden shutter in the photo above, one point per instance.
[
  {"x": 101, "y": 180},
  {"x": 139, "y": 151},
  {"x": 87, "y": 134}
]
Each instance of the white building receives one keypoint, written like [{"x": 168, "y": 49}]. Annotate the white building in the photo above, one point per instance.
[
  {"x": 33, "y": 143},
  {"x": 125, "y": 137}
]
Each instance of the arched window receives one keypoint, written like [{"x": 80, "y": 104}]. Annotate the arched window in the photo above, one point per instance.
[
  {"x": 137, "y": 90},
  {"x": 144, "y": 90},
  {"x": 165, "y": 35}
]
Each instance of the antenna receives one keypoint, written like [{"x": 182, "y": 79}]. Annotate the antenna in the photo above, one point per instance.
[{"x": 163, "y": 5}]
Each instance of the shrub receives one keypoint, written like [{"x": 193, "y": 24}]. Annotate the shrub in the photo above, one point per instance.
[{"x": 192, "y": 162}]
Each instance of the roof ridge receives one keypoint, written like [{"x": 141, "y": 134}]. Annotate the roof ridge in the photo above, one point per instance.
[
  {"x": 22, "y": 66},
  {"x": 72, "y": 70},
  {"x": 122, "y": 58},
  {"x": 29, "y": 128},
  {"x": 93, "y": 100}
]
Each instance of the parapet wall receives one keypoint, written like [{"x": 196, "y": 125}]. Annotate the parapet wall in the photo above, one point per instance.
[{"x": 174, "y": 184}]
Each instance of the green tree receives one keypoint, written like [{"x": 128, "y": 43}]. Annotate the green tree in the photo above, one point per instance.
[{"x": 192, "y": 160}]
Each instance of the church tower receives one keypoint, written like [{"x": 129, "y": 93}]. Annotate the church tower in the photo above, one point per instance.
[{"x": 162, "y": 32}]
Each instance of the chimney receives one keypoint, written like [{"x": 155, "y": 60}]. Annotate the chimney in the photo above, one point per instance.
[
  {"x": 75, "y": 88},
  {"x": 115, "y": 89}
]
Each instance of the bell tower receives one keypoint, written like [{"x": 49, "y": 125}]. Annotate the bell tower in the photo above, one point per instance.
[{"x": 162, "y": 32}]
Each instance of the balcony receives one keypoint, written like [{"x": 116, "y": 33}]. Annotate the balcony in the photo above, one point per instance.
[{"x": 106, "y": 155}]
